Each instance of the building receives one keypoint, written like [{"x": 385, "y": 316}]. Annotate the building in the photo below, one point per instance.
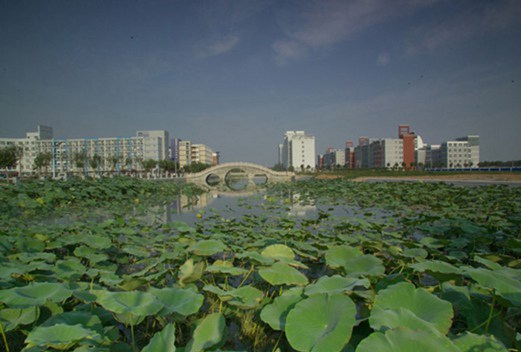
[
  {"x": 89, "y": 156},
  {"x": 349, "y": 155},
  {"x": 334, "y": 158},
  {"x": 409, "y": 143},
  {"x": 461, "y": 153},
  {"x": 298, "y": 151},
  {"x": 196, "y": 153}
]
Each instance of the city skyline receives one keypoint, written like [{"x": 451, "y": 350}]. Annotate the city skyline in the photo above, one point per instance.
[{"x": 236, "y": 75}]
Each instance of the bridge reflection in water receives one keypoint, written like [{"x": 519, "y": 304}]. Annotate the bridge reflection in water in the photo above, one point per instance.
[{"x": 237, "y": 176}]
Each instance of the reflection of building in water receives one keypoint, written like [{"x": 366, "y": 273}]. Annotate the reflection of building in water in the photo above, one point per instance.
[
  {"x": 185, "y": 203},
  {"x": 299, "y": 208}
]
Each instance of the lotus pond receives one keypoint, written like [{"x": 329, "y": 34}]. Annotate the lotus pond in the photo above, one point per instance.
[{"x": 327, "y": 265}]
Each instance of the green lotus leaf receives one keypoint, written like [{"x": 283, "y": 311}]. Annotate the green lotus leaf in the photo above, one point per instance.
[
  {"x": 34, "y": 294},
  {"x": 419, "y": 302},
  {"x": 177, "y": 300},
  {"x": 207, "y": 247},
  {"x": 246, "y": 297},
  {"x": 136, "y": 251},
  {"x": 70, "y": 269},
  {"x": 415, "y": 253},
  {"x": 90, "y": 254},
  {"x": 436, "y": 266},
  {"x": 221, "y": 267},
  {"x": 190, "y": 272},
  {"x": 499, "y": 280},
  {"x": 364, "y": 265},
  {"x": 337, "y": 256},
  {"x": 60, "y": 336},
  {"x": 130, "y": 307},
  {"x": 97, "y": 241},
  {"x": 275, "y": 314},
  {"x": 27, "y": 257},
  {"x": 208, "y": 333},
  {"x": 182, "y": 227},
  {"x": 11, "y": 318},
  {"x": 278, "y": 252},
  {"x": 321, "y": 323},
  {"x": 163, "y": 341},
  {"x": 469, "y": 342},
  {"x": 86, "y": 319},
  {"x": 385, "y": 319},
  {"x": 406, "y": 340},
  {"x": 256, "y": 257},
  {"x": 283, "y": 274},
  {"x": 335, "y": 284}
]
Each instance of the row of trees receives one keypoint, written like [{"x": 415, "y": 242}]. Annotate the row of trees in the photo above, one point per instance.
[{"x": 9, "y": 157}]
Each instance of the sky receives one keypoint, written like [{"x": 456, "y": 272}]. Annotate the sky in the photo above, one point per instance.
[{"x": 236, "y": 75}]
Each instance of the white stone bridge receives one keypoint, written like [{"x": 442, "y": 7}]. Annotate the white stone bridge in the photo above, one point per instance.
[{"x": 218, "y": 176}]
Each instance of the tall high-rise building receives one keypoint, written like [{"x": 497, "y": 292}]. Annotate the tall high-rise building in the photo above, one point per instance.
[
  {"x": 408, "y": 137},
  {"x": 298, "y": 150}
]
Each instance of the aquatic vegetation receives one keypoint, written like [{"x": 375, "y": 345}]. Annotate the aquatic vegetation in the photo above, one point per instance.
[{"x": 375, "y": 267}]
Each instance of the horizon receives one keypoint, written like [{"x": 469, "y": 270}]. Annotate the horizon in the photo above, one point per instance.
[{"x": 237, "y": 75}]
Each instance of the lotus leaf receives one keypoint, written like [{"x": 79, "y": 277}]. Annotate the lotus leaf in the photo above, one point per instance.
[
  {"x": 419, "y": 302},
  {"x": 90, "y": 254},
  {"x": 246, "y": 297},
  {"x": 86, "y": 319},
  {"x": 227, "y": 268},
  {"x": 406, "y": 340},
  {"x": 60, "y": 336},
  {"x": 177, "y": 300},
  {"x": 321, "y": 323},
  {"x": 436, "y": 266},
  {"x": 163, "y": 341},
  {"x": 283, "y": 274},
  {"x": 208, "y": 333},
  {"x": 190, "y": 272},
  {"x": 130, "y": 307},
  {"x": 469, "y": 342},
  {"x": 337, "y": 256},
  {"x": 34, "y": 294},
  {"x": 275, "y": 314},
  {"x": 256, "y": 257},
  {"x": 364, "y": 265},
  {"x": 207, "y": 247},
  {"x": 11, "y": 318},
  {"x": 278, "y": 252},
  {"x": 501, "y": 281},
  {"x": 335, "y": 284},
  {"x": 97, "y": 241}
]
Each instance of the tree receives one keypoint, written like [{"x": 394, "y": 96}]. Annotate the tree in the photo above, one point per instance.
[
  {"x": 168, "y": 165},
  {"x": 79, "y": 159},
  {"x": 95, "y": 162},
  {"x": 278, "y": 167},
  {"x": 113, "y": 160},
  {"x": 9, "y": 156},
  {"x": 43, "y": 160},
  {"x": 149, "y": 164}
]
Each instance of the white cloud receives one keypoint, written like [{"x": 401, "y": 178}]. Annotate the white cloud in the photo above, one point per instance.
[
  {"x": 383, "y": 59},
  {"x": 220, "y": 46},
  {"x": 323, "y": 23},
  {"x": 489, "y": 18},
  {"x": 286, "y": 50}
]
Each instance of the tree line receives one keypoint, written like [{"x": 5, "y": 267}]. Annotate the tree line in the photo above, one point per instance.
[{"x": 9, "y": 157}]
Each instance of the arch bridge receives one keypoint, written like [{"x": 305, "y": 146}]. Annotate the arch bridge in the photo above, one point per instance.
[{"x": 218, "y": 176}]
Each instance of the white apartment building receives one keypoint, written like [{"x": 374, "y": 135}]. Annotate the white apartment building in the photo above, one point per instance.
[
  {"x": 74, "y": 156},
  {"x": 463, "y": 152},
  {"x": 298, "y": 150},
  {"x": 195, "y": 153}
]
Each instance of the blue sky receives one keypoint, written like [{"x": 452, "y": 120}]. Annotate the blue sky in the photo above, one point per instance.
[{"x": 237, "y": 74}]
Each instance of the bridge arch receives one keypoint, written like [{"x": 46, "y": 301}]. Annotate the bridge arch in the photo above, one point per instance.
[{"x": 251, "y": 170}]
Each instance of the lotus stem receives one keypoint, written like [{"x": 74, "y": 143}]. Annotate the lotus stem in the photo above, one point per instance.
[
  {"x": 489, "y": 319},
  {"x": 4, "y": 338},
  {"x": 133, "y": 338}
]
